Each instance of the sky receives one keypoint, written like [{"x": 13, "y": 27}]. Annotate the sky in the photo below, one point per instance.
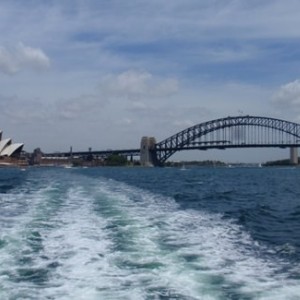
[{"x": 104, "y": 73}]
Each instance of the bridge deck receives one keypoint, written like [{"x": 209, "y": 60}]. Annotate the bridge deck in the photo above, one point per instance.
[{"x": 126, "y": 152}]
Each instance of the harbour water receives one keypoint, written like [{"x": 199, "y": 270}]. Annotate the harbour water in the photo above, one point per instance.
[{"x": 150, "y": 233}]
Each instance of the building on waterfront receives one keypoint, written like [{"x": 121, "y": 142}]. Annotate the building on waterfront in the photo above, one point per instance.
[{"x": 8, "y": 149}]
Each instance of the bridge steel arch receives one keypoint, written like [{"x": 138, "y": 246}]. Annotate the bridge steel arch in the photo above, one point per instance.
[{"x": 187, "y": 138}]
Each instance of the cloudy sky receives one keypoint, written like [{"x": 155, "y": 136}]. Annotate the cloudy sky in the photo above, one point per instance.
[{"x": 104, "y": 73}]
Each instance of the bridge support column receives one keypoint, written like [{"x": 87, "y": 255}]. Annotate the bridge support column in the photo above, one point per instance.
[
  {"x": 294, "y": 156},
  {"x": 146, "y": 155}
]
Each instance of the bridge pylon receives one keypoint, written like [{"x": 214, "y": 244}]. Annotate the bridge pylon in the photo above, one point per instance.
[
  {"x": 147, "y": 152},
  {"x": 294, "y": 156}
]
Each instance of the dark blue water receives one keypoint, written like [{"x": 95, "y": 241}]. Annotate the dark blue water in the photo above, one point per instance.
[
  {"x": 150, "y": 233},
  {"x": 266, "y": 201}
]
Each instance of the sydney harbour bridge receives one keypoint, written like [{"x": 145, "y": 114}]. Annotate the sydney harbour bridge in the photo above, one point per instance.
[{"x": 230, "y": 132}]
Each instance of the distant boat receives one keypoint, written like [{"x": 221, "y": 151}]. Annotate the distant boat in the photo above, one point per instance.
[
  {"x": 68, "y": 167},
  {"x": 183, "y": 168}
]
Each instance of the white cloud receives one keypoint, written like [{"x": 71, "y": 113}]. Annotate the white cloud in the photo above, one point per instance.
[
  {"x": 7, "y": 62},
  {"x": 135, "y": 85},
  {"x": 183, "y": 123},
  {"x": 84, "y": 108},
  {"x": 288, "y": 95},
  {"x": 125, "y": 122},
  {"x": 79, "y": 108},
  {"x": 23, "y": 111},
  {"x": 22, "y": 57},
  {"x": 32, "y": 57},
  {"x": 230, "y": 54},
  {"x": 287, "y": 101}
]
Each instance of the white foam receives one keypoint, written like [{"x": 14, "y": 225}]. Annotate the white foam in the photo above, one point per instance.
[
  {"x": 21, "y": 210},
  {"x": 109, "y": 240},
  {"x": 220, "y": 249},
  {"x": 78, "y": 245}
]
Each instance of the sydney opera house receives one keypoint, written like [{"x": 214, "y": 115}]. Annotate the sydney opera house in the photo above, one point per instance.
[{"x": 9, "y": 150}]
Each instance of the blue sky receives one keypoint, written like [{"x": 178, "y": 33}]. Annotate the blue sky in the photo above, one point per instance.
[{"x": 102, "y": 74}]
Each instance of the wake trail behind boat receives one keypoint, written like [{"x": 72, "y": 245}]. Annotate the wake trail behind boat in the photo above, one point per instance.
[{"x": 89, "y": 238}]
